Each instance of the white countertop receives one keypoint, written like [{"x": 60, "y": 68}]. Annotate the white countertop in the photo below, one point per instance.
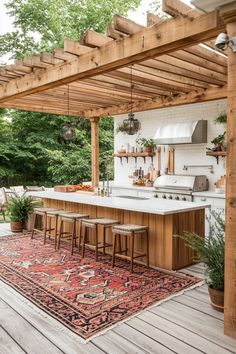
[
  {"x": 209, "y": 194},
  {"x": 152, "y": 205}
]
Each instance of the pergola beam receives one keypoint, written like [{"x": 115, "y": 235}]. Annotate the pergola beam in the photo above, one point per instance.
[
  {"x": 164, "y": 102},
  {"x": 150, "y": 42}
]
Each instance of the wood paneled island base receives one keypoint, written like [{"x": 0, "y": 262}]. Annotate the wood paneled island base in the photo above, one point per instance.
[{"x": 166, "y": 250}]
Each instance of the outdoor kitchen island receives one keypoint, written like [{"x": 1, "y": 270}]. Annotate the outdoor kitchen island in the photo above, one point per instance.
[{"x": 164, "y": 218}]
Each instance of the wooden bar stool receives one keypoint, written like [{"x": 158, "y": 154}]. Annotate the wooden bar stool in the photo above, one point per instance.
[
  {"x": 54, "y": 215},
  {"x": 42, "y": 213},
  {"x": 71, "y": 218},
  {"x": 93, "y": 225},
  {"x": 129, "y": 230}
]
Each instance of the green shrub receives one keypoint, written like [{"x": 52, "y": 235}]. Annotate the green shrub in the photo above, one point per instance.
[
  {"x": 210, "y": 250},
  {"x": 18, "y": 208}
]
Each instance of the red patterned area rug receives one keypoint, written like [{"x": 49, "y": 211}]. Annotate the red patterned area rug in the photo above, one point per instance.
[{"x": 85, "y": 295}]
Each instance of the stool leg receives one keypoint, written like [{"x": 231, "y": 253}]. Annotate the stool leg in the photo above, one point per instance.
[
  {"x": 34, "y": 221},
  {"x": 50, "y": 226},
  {"x": 126, "y": 247},
  {"x": 132, "y": 252},
  {"x": 79, "y": 233},
  {"x": 59, "y": 235},
  {"x": 84, "y": 231},
  {"x": 147, "y": 240},
  {"x": 104, "y": 238},
  {"x": 55, "y": 239},
  {"x": 96, "y": 243},
  {"x": 113, "y": 249},
  {"x": 45, "y": 228},
  {"x": 73, "y": 234},
  {"x": 120, "y": 249}
]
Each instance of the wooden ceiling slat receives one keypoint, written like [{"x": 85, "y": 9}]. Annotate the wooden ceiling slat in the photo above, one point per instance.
[{"x": 167, "y": 68}]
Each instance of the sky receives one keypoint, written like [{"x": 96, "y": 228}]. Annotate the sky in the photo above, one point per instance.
[{"x": 138, "y": 16}]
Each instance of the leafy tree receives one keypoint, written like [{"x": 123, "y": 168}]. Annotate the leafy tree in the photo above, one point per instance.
[
  {"x": 43, "y": 24},
  {"x": 32, "y": 150}
]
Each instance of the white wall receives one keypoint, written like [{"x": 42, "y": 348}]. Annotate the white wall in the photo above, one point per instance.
[{"x": 184, "y": 154}]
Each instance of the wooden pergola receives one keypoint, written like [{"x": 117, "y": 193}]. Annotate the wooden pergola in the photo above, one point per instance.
[{"x": 174, "y": 63}]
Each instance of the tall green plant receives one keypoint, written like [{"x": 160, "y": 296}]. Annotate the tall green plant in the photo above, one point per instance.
[
  {"x": 19, "y": 208},
  {"x": 210, "y": 250}
]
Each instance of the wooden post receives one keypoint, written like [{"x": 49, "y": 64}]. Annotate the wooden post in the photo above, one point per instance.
[
  {"x": 230, "y": 237},
  {"x": 95, "y": 151}
]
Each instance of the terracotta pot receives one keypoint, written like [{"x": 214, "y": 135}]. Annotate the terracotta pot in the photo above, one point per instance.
[
  {"x": 148, "y": 149},
  {"x": 217, "y": 299},
  {"x": 219, "y": 147},
  {"x": 16, "y": 226}
]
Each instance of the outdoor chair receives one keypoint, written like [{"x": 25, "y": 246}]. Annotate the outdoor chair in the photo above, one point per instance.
[{"x": 19, "y": 190}]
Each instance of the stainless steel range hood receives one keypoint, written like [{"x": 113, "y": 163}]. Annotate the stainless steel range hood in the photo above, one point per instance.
[{"x": 182, "y": 133}]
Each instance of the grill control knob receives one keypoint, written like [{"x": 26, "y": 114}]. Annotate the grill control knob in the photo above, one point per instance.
[
  {"x": 177, "y": 198},
  {"x": 164, "y": 196},
  {"x": 155, "y": 195},
  {"x": 170, "y": 197},
  {"x": 184, "y": 198}
]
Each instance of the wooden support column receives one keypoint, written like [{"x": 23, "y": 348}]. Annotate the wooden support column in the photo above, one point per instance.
[
  {"x": 95, "y": 151},
  {"x": 230, "y": 239}
]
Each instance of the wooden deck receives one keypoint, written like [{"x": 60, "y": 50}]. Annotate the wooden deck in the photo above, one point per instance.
[{"x": 184, "y": 324}]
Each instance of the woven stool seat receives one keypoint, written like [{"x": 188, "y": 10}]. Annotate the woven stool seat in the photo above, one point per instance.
[
  {"x": 43, "y": 212},
  {"x": 129, "y": 231},
  {"x": 54, "y": 212},
  {"x": 130, "y": 228},
  {"x": 71, "y": 218},
  {"x": 94, "y": 224},
  {"x": 73, "y": 215},
  {"x": 101, "y": 221}
]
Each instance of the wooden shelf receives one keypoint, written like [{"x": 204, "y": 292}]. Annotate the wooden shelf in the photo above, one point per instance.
[
  {"x": 135, "y": 155},
  {"x": 216, "y": 154}
]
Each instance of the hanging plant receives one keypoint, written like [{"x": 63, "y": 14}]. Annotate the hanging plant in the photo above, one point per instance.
[{"x": 221, "y": 119}]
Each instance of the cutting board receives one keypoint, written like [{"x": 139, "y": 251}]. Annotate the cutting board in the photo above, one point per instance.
[{"x": 64, "y": 189}]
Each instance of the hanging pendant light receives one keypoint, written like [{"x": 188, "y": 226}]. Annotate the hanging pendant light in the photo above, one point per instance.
[
  {"x": 131, "y": 124},
  {"x": 68, "y": 130}
]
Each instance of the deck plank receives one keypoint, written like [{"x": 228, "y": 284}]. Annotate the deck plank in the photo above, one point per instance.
[
  {"x": 18, "y": 328},
  {"x": 112, "y": 342},
  {"x": 162, "y": 337},
  {"x": 199, "y": 305},
  {"x": 9, "y": 345},
  {"x": 148, "y": 344},
  {"x": 183, "y": 334},
  {"x": 68, "y": 342},
  {"x": 205, "y": 326}
]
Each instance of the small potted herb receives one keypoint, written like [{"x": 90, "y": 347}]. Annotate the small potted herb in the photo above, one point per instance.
[
  {"x": 219, "y": 142},
  {"x": 18, "y": 209},
  {"x": 148, "y": 144}
]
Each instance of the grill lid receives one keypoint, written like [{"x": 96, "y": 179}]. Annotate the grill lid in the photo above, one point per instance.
[{"x": 182, "y": 182}]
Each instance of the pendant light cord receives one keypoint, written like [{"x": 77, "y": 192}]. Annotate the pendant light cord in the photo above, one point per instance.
[
  {"x": 131, "y": 89},
  {"x": 68, "y": 95}
]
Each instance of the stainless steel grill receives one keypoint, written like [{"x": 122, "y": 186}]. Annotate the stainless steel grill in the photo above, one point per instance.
[{"x": 179, "y": 187}]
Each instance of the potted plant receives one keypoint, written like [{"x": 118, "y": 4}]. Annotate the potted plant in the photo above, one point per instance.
[
  {"x": 211, "y": 251},
  {"x": 18, "y": 209},
  {"x": 148, "y": 144},
  {"x": 219, "y": 142}
]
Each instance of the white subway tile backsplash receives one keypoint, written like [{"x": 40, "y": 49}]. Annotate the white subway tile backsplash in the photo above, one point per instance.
[{"x": 184, "y": 154}]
